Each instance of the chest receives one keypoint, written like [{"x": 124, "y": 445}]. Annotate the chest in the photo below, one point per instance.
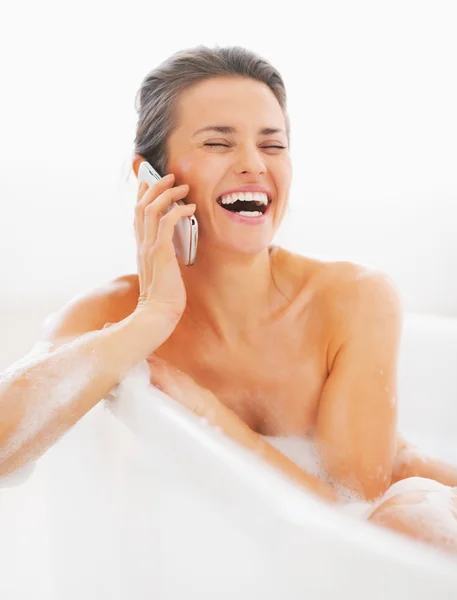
[{"x": 273, "y": 383}]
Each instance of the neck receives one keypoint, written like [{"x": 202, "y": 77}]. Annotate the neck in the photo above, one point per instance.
[{"x": 230, "y": 294}]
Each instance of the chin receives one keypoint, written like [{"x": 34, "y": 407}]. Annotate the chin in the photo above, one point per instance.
[{"x": 244, "y": 246}]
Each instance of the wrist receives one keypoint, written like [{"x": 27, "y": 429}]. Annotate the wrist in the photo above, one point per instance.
[
  {"x": 153, "y": 327},
  {"x": 165, "y": 311},
  {"x": 151, "y": 316}
]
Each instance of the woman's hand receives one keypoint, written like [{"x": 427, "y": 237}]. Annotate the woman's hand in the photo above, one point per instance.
[
  {"x": 204, "y": 403},
  {"x": 161, "y": 285},
  {"x": 181, "y": 387}
]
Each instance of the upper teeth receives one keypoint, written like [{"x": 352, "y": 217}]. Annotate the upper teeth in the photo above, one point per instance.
[{"x": 248, "y": 196}]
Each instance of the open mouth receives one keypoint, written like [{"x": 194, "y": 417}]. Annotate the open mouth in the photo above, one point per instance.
[{"x": 252, "y": 208}]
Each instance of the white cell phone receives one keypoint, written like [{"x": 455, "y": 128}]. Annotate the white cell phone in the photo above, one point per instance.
[{"x": 185, "y": 237}]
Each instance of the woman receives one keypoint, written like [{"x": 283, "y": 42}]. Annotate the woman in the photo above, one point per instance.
[{"x": 260, "y": 341}]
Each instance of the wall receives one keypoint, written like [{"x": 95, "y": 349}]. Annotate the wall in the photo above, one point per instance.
[{"x": 372, "y": 103}]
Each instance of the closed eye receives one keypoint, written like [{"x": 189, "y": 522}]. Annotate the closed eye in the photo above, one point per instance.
[{"x": 226, "y": 146}]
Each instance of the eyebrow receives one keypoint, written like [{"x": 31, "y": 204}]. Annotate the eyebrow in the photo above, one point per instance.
[{"x": 228, "y": 129}]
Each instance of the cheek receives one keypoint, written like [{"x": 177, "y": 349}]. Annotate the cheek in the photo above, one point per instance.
[
  {"x": 286, "y": 172},
  {"x": 281, "y": 172},
  {"x": 182, "y": 169},
  {"x": 202, "y": 177},
  {"x": 192, "y": 171}
]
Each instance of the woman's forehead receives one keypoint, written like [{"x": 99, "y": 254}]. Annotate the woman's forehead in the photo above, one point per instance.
[{"x": 229, "y": 102}]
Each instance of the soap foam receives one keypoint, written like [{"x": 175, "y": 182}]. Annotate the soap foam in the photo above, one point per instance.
[
  {"x": 304, "y": 453},
  {"x": 301, "y": 450},
  {"x": 50, "y": 398},
  {"x": 424, "y": 506}
]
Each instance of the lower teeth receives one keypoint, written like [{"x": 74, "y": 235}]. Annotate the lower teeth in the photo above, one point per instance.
[{"x": 249, "y": 213}]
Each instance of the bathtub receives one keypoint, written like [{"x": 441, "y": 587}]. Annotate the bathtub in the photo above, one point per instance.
[{"x": 143, "y": 500}]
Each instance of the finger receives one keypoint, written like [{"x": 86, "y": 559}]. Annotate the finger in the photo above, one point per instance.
[
  {"x": 150, "y": 194},
  {"x": 167, "y": 224},
  {"x": 154, "y": 359},
  {"x": 142, "y": 187},
  {"x": 154, "y": 212},
  {"x": 145, "y": 195},
  {"x": 156, "y": 206},
  {"x": 160, "y": 186}
]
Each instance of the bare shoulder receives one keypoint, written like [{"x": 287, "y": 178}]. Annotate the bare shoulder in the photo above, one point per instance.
[
  {"x": 295, "y": 275},
  {"x": 110, "y": 302},
  {"x": 354, "y": 290},
  {"x": 353, "y": 302},
  {"x": 339, "y": 288},
  {"x": 359, "y": 303}
]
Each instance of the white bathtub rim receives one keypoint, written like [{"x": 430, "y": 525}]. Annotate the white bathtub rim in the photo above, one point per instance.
[{"x": 284, "y": 498}]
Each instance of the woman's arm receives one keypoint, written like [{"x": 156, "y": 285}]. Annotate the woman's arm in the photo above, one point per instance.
[
  {"x": 356, "y": 423},
  {"x": 411, "y": 462},
  {"x": 45, "y": 394},
  {"x": 203, "y": 402}
]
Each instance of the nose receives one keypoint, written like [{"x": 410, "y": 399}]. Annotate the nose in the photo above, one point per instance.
[{"x": 250, "y": 160}]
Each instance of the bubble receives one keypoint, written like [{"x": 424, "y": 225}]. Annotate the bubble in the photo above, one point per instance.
[
  {"x": 54, "y": 392},
  {"x": 301, "y": 450}
]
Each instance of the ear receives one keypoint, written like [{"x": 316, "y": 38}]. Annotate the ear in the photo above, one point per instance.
[{"x": 136, "y": 162}]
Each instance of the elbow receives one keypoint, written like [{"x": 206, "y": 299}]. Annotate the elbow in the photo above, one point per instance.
[
  {"x": 374, "y": 490},
  {"x": 372, "y": 486},
  {"x": 364, "y": 486}
]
